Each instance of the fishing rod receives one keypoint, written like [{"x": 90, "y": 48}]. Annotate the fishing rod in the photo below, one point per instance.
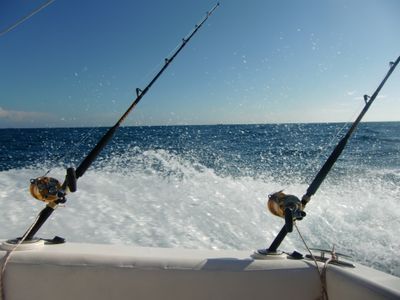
[
  {"x": 51, "y": 191},
  {"x": 23, "y": 19},
  {"x": 290, "y": 207}
]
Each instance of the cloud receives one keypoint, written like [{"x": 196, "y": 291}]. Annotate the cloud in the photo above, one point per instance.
[
  {"x": 378, "y": 97},
  {"x": 19, "y": 116},
  {"x": 351, "y": 93}
]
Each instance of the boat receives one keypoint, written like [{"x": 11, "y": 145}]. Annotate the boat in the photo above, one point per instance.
[
  {"x": 36, "y": 268},
  {"x": 88, "y": 271}
]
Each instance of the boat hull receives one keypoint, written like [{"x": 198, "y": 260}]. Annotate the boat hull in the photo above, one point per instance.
[{"x": 86, "y": 271}]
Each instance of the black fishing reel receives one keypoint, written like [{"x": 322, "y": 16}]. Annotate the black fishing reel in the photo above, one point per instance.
[
  {"x": 50, "y": 190},
  {"x": 285, "y": 206}
]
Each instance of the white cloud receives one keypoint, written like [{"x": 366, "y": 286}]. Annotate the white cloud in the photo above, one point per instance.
[
  {"x": 351, "y": 93},
  {"x": 18, "y": 116},
  {"x": 378, "y": 97}
]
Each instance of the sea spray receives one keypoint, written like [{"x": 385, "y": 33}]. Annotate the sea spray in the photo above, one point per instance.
[{"x": 207, "y": 186}]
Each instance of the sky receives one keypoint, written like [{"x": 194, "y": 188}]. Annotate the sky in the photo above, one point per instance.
[{"x": 78, "y": 63}]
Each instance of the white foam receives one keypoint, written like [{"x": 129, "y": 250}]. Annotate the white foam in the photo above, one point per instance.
[{"x": 160, "y": 199}]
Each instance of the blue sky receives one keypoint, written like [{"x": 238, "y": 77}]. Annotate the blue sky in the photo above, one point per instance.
[{"x": 78, "y": 63}]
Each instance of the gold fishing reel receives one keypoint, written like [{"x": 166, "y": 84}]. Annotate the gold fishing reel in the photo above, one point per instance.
[
  {"x": 46, "y": 189},
  {"x": 50, "y": 190},
  {"x": 285, "y": 206}
]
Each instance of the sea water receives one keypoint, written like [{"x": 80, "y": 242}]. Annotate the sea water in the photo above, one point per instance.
[{"x": 206, "y": 187}]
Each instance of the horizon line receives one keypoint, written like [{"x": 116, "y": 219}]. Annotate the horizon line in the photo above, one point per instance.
[{"x": 197, "y": 125}]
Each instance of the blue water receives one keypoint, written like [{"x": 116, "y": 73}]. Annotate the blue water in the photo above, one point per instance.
[
  {"x": 230, "y": 150},
  {"x": 206, "y": 186}
]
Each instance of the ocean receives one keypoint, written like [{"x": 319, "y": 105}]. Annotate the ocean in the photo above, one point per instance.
[{"x": 206, "y": 187}]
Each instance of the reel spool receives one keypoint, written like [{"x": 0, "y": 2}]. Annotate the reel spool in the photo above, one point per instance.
[
  {"x": 50, "y": 190},
  {"x": 46, "y": 189},
  {"x": 285, "y": 206}
]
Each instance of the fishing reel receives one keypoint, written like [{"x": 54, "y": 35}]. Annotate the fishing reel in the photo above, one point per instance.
[
  {"x": 285, "y": 206},
  {"x": 50, "y": 190}
]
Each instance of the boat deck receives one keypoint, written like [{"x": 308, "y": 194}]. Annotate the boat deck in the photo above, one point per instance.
[{"x": 86, "y": 271}]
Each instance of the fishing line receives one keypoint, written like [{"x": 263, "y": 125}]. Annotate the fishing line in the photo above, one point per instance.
[
  {"x": 334, "y": 139},
  {"x": 325, "y": 148},
  {"x": 53, "y": 192},
  {"x": 71, "y": 149},
  {"x": 321, "y": 274},
  {"x": 157, "y": 67},
  {"x": 290, "y": 207},
  {"x": 7, "y": 257}
]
